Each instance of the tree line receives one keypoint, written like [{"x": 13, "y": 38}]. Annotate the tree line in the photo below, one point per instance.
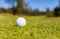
[{"x": 23, "y": 9}]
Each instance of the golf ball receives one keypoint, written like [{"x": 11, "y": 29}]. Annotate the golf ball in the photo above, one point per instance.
[{"x": 20, "y": 21}]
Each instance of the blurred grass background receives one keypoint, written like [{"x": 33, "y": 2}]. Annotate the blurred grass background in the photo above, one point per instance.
[{"x": 38, "y": 27}]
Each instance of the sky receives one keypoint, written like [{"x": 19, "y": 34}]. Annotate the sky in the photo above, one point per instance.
[
  {"x": 34, "y": 4},
  {"x": 3, "y": 4}
]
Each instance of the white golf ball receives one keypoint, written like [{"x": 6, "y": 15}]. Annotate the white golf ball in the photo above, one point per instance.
[{"x": 21, "y": 21}]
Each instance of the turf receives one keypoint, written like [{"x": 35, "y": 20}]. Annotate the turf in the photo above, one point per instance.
[{"x": 38, "y": 27}]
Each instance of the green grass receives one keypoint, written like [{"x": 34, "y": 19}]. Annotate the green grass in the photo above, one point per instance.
[{"x": 38, "y": 27}]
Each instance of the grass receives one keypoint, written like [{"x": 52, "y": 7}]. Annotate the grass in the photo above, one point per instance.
[{"x": 37, "y": 27}]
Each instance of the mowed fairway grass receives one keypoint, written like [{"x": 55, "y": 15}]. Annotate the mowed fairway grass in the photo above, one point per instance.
[{"x": 38, "y": 27}]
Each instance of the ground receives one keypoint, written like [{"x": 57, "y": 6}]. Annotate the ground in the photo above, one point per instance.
[{"x": 38, "y": 27}]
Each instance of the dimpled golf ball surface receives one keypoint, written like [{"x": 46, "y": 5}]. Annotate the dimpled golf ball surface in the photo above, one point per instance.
[{"x": 21, "y": 21}]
